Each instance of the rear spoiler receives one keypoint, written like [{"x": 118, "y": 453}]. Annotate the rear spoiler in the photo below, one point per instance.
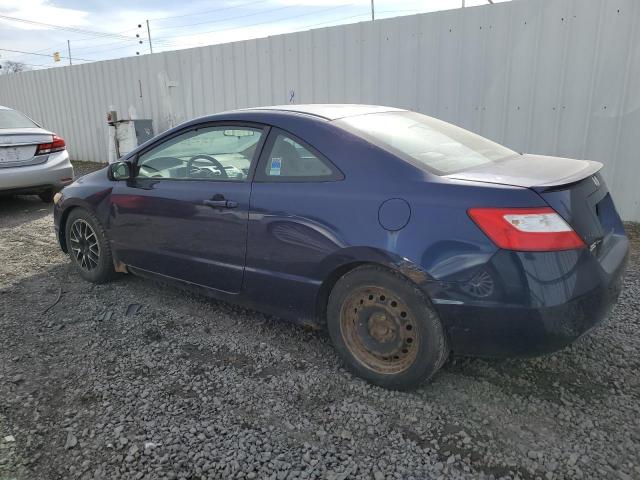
[
  {"x": 538, "y": 172},
  {"x": 588, "y": 171}
]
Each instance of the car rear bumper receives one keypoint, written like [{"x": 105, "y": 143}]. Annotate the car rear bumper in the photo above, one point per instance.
[
  {"x": 556, "y": 298},
  {"x": 53, "y": 174}
]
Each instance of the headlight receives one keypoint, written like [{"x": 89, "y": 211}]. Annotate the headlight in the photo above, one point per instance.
[{"x": 57, "y": 197}]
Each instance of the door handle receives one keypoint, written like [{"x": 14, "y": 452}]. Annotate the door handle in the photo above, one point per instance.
[{"x": 221, "y": 203}]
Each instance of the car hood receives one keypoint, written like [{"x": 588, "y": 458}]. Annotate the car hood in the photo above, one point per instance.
[
  {"x": 531, "y": 171},
  {"x": 97, "y": 176}
]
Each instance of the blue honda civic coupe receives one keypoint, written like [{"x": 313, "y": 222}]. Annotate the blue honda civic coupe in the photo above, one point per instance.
[{"x": 406, "y": 237}]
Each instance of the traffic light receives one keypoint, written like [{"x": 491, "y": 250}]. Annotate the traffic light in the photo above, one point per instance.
[{"x": 56, "y": 56}]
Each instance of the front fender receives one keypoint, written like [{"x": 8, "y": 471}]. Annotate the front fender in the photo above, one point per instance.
[{"x": 92, "y": 203}]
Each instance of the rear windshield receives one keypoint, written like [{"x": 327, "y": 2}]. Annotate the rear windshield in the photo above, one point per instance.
[
  {"x": 13, "y": 119},
  {"x": 437, "y": 146}
]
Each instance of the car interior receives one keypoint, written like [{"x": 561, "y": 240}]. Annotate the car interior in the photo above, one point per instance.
[
  {"x": 219, "y": 154},
  {"x": 290, "y": 159},
  {"x": 223, "y": 154}
]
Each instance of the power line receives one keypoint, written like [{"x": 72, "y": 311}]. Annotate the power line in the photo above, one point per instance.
[
  {"x": 253, "y": 14},
  {"x": 260, "y": 23},
  {"x": 210, "y": 11},
  {"x": 91, "y": 48},
  {"x": 276, "y": 20},
  {"x": 108, "y": 49},
  {"x": 135, "y": 41},
  {"x": 337, "y": 20},
  {"x": 60, "y": 46},
  {"x": 172, "y": 44},
  {"x": 96, "y": 42},
  {"x": 122, "y": 38},
  {"x": 91, "y": 51},
  {"x": 60, "y": 27},
  {"x": 297, "y": 29},
  {"x": 44, "y": 54},
  {"x": 368, "y": 15},
  {"x": 93, "y": 40},
  {"x": 115, "y": 33}
]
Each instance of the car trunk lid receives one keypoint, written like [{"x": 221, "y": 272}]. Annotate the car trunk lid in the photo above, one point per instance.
[
  {"x": 18, "y": 146},
  {"x": 573, "y": 188}
]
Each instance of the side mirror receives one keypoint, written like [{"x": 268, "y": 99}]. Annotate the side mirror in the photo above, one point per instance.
[{"x": 119, "y": 171}]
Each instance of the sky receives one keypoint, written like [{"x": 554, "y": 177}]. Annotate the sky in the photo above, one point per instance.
[{"x": 100, "y": 30}]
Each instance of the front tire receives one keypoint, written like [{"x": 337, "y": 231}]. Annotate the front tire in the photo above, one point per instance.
[
  {"x": 384, "y": 328},
  {"x": 88, "y": 247}
]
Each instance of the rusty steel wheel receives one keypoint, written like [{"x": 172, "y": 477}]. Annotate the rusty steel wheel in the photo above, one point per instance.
[
  {"x": 379, "y": 330},
  {"x": 384, "y": 328}
]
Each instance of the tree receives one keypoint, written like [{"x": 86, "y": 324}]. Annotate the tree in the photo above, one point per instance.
[{"x": 10, "y": 66}]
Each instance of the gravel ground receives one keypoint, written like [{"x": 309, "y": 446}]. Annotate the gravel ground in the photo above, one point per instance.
[{"x": 137, "y": 380}]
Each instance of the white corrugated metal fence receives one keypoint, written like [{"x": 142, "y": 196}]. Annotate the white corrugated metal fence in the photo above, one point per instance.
[{"x": 557, "y": 77}]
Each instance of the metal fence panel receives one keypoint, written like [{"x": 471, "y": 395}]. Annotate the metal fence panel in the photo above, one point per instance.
[{"x": 557, "y": 77}]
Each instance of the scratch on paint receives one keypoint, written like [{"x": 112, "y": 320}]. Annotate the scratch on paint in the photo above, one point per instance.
[{"x": 392, "y": 241}]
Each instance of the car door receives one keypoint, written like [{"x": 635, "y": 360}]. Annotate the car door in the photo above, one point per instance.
[
  {"x": 289, "y": 237},
  {"x": 184, "y": 212}
]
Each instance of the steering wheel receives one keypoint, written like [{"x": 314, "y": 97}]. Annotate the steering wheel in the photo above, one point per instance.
[{"x": 216, "y": 163}]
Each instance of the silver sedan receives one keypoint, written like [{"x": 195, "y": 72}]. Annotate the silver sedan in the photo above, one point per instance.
[{"x": 32, "y": 160}]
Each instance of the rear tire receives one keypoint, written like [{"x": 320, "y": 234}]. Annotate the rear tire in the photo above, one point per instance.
[
  {"x": 46, "y": 196},
  {"x": 385, "y": 329},
  {"x": 88, "y": 247}
]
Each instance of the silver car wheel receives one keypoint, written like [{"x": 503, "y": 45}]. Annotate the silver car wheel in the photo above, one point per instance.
[{"x": 84, "y": 245}]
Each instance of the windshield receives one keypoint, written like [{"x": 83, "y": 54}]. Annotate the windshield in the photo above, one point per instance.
[
  {"x": 439, "y": 147},
  {"x": 13, "y": 119}
]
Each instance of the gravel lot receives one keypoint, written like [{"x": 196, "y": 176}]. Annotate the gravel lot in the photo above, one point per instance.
[{"x": 138, "y": 380}]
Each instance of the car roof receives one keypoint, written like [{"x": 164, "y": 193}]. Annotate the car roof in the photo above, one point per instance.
[
  {"x": 2, "y": 107},
  {"x": 328, "y": 111}
]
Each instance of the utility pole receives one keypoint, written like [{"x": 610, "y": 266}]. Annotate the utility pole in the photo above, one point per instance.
[
  {"x": 69, "y": 50},
  {"x": 149, "y": 36},
  {"x": 373, "y": 15}
]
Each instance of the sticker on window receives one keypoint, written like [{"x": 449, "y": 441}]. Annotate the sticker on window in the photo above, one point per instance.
[{"x": 276, "y": 165}]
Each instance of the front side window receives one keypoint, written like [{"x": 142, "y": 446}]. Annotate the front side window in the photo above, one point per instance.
[
  {"x": 208, "y": 153},
  {"x": 13, "y": 119},
  {"x": 289, "y": 160},
  {"x": 437, "y": 146}
]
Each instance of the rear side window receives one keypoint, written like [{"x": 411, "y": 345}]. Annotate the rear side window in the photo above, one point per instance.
[
  {"x": 290, "y": 160},
  {"x": 13, "y": 119},
  {"x": 438, "y": 147}
]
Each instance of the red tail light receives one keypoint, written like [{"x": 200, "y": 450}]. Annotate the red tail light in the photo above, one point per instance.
[
  {"x": 56, "y": 145},
  {"x": 526, "y": 229}
]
